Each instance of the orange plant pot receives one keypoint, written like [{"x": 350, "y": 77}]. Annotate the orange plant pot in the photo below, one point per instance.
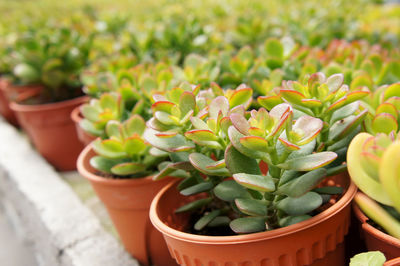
[
  {"x": 317, "y": 241},
  {"x": 376, "y": 239},
  {"x": 128, "y": 202},
  {"x": 393, "y": 262},
  {"x": 52, "y": 131},
  {"x": 83, "y": 136},
  {"x": 5, "y": 110}
]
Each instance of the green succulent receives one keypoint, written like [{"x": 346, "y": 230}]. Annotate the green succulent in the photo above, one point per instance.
[
  {"x": 207, "y": 134},
  {"x": 125, "y": 153},
  {"x": 373, "y": 166}
]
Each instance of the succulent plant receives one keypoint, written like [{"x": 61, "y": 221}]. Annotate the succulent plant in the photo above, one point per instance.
[
  {"x": 287, "y": 194},
  {"x": 331, "y": 101},
  {"x": 199, "y": 131},
  {"x": 383, "y": 107},
  {"x": 125, "y": 153},
  {"x": 373, "y": 166},
  {"x": 53, "y": 58}
]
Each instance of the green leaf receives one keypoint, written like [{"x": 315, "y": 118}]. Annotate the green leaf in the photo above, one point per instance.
[
  {"x": 230, "y": 190},
  {"x": 135, "y": 125},
  {"x": 201, "y": 135},
  {"x": 171, "y": 144},
  {"x": 344, "y": 112},
  {"x": 251, "y": 207},
  {"x": 198, "y": 188},
  {"x": 254, "y": 143},
  {"x": 371, "y": 258},
  {"x": 206, "y": 219},
  {"x": 345, "y": 126},
  {"x": 109, "y": 148},
  {"x": 240, "y": 97},
  {"x": 187, "y": 182},
  {"x": 301, "y": 205},
  {"x": 194, "y": 205},
  {"x": 329, "y": 190},
  {"x": 334, "y": 82},
  {"x": 256, "y": 182},
  {"x": 134, "y": 145},
  {"x": 90, "y": 112},
  {"x": 219, "y": 221},
  {"x": 273, "y": 47},
  {"x": 187, "y": 102},
  {"x": 128, "y": 168},
  {"x": 235, "y": 136},
  {"x": 248, "y": 225},
  {"x": 237, "y": 162},
  {"x": 200, "y": 162},
  {"x": 219, "y": 104},
  {"x": 309, "y": 162},
  {"x": 302, "y": 184},
  {"x": 289, "y": 220},
  {"x": 103, "y": 164},
  {"x": 384, "y": 123}
]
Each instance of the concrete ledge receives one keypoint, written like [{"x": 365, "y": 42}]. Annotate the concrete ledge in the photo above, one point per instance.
[{"x": 47, "y": 211}]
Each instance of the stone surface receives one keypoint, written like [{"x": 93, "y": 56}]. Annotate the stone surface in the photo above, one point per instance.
[{"x": 48, "y": 212}]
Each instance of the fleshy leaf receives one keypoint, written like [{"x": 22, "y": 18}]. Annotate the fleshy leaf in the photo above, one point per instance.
[
  {"x": 301, "y": 205},
  {"x": 200, "y": 135},
  {"x": 200, "y": 162},
  {"x": 256, "y": 182},
  {"x": 230, "y": 190},
  {"x": 198, "y": 188},
  {"x": 251, "y": 207},
  {"x": 309, "y": 162},
  {"x": 371, "y": 258},
  {"x": 206, "y": 219},
  {"x": 194, "y": 205},
  {"x": 128, "y": 168},
  {"x": 255, "y": 143},
  {"x": 248, "y": 225},
  {"x": 302, "y": 184},
  {"x": 240, "y": 97}
]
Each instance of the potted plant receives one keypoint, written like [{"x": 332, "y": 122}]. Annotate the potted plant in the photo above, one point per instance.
[
  {"x": 46, "y": 75},
  {"x": 134, "y": 84},
  {"x": 210, "y": 134},
  {"x": 120, "y": 165},
  {"x": 372, "y": 163}
]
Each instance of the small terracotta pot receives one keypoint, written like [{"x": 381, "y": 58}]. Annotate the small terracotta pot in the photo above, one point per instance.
[
  {"x": 5, "y": 110},
  {"x": 393, "y": 262},
  {"x": 376, "y": 239},
  {"x": 317, "y": 241},
  {"x": 128, "y": 202},
  {"x": 83, "y": 136},
  {"x": 52, "y": 131}
]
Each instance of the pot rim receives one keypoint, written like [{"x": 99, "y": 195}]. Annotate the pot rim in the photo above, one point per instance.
[
  {"x": 47, "y": 106},
  {"x": 76, "y": 114},
  {"x": 106, "y": 181},
  {"x": 254, "y": 237},
  {"x": 392, "y": 262},
  {"x": 372, "y": 230}
]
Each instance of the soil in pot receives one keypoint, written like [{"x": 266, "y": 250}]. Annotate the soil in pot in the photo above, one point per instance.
[
  {"x": 128, "y": 202},
  {"x": 51, "y": 130},
  {"x": 317, "y": 241},
  {"x": 374, "y": 238}
]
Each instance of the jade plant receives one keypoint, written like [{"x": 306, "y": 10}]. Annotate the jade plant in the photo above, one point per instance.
[
  {"x": 125, "y": 93},
  {"x": 373, "y": 166},
  {"x": 206, "y": 133},
  {"x": 328, "y": 99},
  {"x": 53, "y": 58}
]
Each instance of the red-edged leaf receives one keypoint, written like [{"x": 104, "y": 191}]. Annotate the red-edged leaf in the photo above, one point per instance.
[
  {"x": 187, "y": 102},
  {"x": 254, "y": 143},
  {"x": 134, "y": 145},
  {"x": 256, "y": 182},
  {"x": 217, "y": 165},
  {"x": 269, "y": 102},
  {"x": 309, "y": 162},
  {"x": 198, "y": 123},
  {"x": 219, "y": 104},
  {"x": 384, "y": 123},
  {"x": 289, "y": 145},
  {"x": 166, "y": 134},
  {"x": 334, "y": 82},
  {"x": 240, "y": 123},
  {"x": 336, "y": 105},
  {"x": 241, "y": 96},
  {"x": 200, "y": 135},
  {"x": 309, "y": 127},
  {"x": 311, "y": 103},
  {"x": 163, "y": 106},
  {"x": 356, "y": 95},
  {"x": 292, "y": 96},
  {"x": 392, "y": 91},
  {"x": 387, "y": 108},
  {"x": 128, "y": 168}
]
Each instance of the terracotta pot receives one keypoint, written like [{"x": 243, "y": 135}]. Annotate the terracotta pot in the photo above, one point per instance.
[
  {"x": 83, "y": 136},
  {"x": 376, "y": 239},
  {"x": 393, "y": 262},
  {"x": 128, "y": 202},
  {"x": 52, "y": 131},
  {"x": 317, "y": 241},
  {"x": 9, "y": 93}
]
